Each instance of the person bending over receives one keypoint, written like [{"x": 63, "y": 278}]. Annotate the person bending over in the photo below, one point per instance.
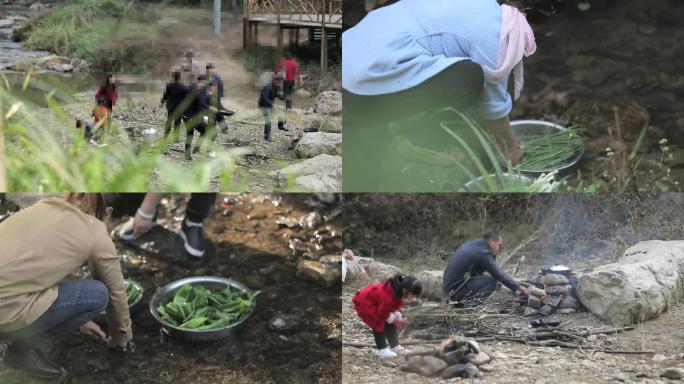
[
  {"x": 379, "y": 306},
  {"x": 406, "y": 62},
  {"x": 41, "y": 246},
  {"x": 472, "y": 274}
]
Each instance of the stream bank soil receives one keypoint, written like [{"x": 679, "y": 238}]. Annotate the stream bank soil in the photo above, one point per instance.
[
  {"x": 244, "y": 243},
  {"x": 612, "y": 70}
]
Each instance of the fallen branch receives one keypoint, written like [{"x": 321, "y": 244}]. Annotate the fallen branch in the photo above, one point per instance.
[
  {"x": 562, "y": 344},
  {"x": 371, "y": 345}
]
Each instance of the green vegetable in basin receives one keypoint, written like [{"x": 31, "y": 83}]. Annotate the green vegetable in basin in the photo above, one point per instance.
[
  {"x": 133, "y": 291},
  {"x": 551, "y": 150},
  {"x": 196, "y": 307}
]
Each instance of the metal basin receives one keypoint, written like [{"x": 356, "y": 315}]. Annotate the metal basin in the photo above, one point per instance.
[
  {"x": 133, "y": 307},
  {"x": 165, "y": 294},
  {"x": 524, "y": 129},
  {"x": 140, "y": 297},
  {"x": 479, "y": 184},
  {"x": 149, "y": 135}
]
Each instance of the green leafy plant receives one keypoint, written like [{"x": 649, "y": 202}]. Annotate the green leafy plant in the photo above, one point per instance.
[
  {"x": 491, "y": 173},
  {"x": 133, "y": 291},
  {"x": 196, "y": 307},
  {"x": 551, "y": 150}
]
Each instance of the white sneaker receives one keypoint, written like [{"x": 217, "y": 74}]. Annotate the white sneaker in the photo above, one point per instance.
[
  {"x": 385, "y": 353},
  {"x": 399, "y": 350}
]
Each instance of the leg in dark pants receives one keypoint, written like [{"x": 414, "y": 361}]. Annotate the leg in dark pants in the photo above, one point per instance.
[
  {"x": 199, "y": 206},
  {"x": 388, "y": 335},
  {"x": 189, "y": 135},
  {"x": 368, "y": 139},
  {"x": 173, "y": 123},
  {"x": 267, "y": 112},
  {"x": 126, "y": 203},
  {"x": 475, "y": 291},
  {"x": 198, "y": 209}
]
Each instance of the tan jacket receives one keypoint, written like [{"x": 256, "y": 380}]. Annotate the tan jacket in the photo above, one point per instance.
[{"x": 43, "y": 244}]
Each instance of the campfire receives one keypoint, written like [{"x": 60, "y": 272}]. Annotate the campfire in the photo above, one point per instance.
[{"x": 552, "y": 291}]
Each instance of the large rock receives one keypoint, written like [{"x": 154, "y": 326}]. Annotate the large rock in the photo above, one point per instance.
[
  {"x": 330, "y": 124},
  {"x": 323, "y": 173},
  {"x": 329, "y": 103},
  {"x": 325, "y": 274},
  {"x": 6, "y": 23},
  {"x": 364, "y": 270},
  {"x": 313, "y": 144},
  {"x": 301, "y": 92},
  {"x": 647, "y": 281},
  {"x": 431, "y": 282}
]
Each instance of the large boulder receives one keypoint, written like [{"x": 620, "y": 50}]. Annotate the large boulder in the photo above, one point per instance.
[
  {"x": 431, "y": 282},
  {"x": 364, "y": 270},
  {"x": 325, "y": 273},
  {"x": 331, "y": 124},
  {"x": 329, "y": 103},
  {"x": 322, "y": 173},
  {"x": 647, "y": 281},
  {"x": 6, "y": 23},
  {"x": 313, "y": 144}
]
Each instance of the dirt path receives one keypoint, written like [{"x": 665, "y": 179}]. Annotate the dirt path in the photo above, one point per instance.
[{"x": 244, "y": 244}]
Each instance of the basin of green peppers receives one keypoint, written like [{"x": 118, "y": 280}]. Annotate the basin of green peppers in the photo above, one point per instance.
[
  {"x": 196, "y": 307},
  {"x": 133, "y": 291}
]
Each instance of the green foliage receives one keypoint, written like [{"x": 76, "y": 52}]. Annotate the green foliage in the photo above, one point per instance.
[
  {"x": 103, "y": 32},
  {"x": 36, "y": 160},
  {"x": 260, "y": 59}
]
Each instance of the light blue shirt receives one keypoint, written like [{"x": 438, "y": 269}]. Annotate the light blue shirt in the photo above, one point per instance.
[{"x": 401, "y": 45}]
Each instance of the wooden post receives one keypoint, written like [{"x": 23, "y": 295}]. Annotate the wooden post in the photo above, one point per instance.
[
  {"x": 324, "y": 40},
  {"x": 3, "y": 182},
  {"x": 245, "y": 24},
  {"x": 279, "y": 48},
  {"x": 217, "y": 17}
]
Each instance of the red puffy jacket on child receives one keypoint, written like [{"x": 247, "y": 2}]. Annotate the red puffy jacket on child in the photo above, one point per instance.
[{"x": 374, "y": 304}]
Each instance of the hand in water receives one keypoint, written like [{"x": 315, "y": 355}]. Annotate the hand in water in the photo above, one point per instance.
[{"x": 93, "y": 330}]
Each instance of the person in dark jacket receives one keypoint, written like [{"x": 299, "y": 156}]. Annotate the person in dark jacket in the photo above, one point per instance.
[
  {"x": 472, "y": 274},
  {"x": 266, "y": 100},
  {"x": 379, "y": 306},
  {"x": 214, "y": 78},
  {"x": 195, "y": 115},
  {"x": 173, "y": 97},
  {"x": 213, "y": 116}
]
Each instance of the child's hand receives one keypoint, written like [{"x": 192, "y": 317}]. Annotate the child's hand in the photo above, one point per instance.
[{"x": 400, "y": 323}]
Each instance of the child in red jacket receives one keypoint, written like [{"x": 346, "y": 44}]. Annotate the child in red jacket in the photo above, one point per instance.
[{"x": 379, "y": 306}]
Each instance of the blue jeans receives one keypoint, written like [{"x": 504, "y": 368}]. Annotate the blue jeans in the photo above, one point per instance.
[{"x": 77, "y": 303}]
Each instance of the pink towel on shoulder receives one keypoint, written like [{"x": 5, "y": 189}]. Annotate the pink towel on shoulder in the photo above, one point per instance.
[{"x": 516, "y": 42}]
